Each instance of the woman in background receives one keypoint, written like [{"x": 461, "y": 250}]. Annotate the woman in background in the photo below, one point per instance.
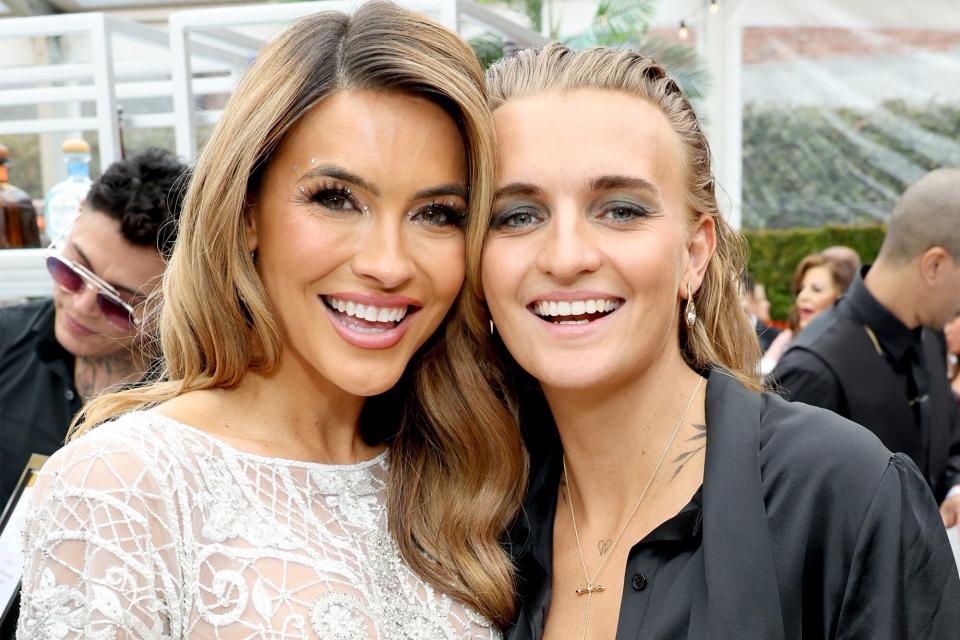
[
  {"x": 255, "y": 490},
  {"x": 669, "y": 497},
  {"x": 817, "y": 282}
]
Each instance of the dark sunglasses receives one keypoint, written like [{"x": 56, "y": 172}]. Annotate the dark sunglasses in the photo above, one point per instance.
[{"x": 73, "y": 277}]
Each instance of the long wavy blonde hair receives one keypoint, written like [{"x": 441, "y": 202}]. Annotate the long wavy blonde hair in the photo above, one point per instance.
[
  {"x": 722, "y": 336},
  {"x": 457, "y": 469}
]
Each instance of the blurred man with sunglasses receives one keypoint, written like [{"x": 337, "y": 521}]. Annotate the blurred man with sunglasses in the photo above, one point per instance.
[{"x": 59, "y": 352}]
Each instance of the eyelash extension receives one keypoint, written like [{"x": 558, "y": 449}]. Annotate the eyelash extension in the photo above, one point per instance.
[
  {"x": 456, "y": 214},
  {"x": 312, "y": 194}
]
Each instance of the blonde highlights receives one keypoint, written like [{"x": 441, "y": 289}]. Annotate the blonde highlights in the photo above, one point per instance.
[
  {"x": 457, "y": 469},
  {"x": 722, "y": 336}
]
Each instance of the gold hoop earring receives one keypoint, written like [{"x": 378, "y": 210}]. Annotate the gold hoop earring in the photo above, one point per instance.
[
  {"x": 492, "y": 332},
  {"x": 691, "y": 310}
]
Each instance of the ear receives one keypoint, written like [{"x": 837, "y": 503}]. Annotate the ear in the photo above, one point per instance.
[
  {"x": 701, "y": 245},
  {"x": 250, "y": 228},
  {"x": 934, "y": 264}
]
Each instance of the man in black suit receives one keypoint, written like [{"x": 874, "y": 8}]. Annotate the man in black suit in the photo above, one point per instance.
[{"x": 878, "y": 356}]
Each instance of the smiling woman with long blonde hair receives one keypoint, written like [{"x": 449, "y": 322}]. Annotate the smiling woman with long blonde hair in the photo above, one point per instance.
[
  {"x": 669, "y": 496},
  {"x": 255, "y": 489}
]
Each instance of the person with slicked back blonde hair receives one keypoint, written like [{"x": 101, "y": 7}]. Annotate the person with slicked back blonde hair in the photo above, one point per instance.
[
  {"x": 670, "y": 497},
  {"x": 323, "y": 455}
]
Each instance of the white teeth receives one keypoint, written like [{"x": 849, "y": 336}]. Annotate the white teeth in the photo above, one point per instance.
[
  {"x": 554, "y": 308},
  {"x": 368, "y": 312}
]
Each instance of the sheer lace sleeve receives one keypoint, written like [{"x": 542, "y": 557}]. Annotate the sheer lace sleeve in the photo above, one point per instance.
[{"x": 101, "y": 560}]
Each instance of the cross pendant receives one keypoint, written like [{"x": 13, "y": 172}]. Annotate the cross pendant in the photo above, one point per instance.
[{"x": 590, "y": 589}]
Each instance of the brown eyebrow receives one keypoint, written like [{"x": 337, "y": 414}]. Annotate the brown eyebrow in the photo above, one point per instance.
[
  {"x": 519, "y": 189},
  {"x": 333, "y": 171},
  {"x": 604, "y": 183},
  {"x": 89, "y": 265},
  {"x": 451, "y": 189}
]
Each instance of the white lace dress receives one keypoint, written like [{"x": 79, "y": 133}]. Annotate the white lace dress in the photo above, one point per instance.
[{"x": 148, "y": 528}]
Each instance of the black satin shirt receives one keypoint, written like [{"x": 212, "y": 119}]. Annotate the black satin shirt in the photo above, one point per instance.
[{"x": 805, "y": 527}]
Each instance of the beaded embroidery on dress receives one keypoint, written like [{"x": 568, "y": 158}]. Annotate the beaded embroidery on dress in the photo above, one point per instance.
[{"x": 147, "y": 528}]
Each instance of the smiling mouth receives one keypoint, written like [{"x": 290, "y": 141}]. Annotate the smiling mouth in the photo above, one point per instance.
[
  {"x": 574, "y": 311},
  {"x": 367, "y": 318}
]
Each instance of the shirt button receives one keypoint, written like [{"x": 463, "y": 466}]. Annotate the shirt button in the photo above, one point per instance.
[
  {"x": 639, "y": 582},
  {"x": 70, "y": 395}
]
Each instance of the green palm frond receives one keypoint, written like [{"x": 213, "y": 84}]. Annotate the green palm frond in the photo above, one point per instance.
[
  {"x": 681, "y": 63},
  {"x": 617, "y": 22},
  {"x": 532, "y": 8},
  {"x": 488, "y": 47}
]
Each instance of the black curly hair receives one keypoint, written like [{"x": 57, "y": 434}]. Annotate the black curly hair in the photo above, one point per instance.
[{"x": 145, "y": 193}]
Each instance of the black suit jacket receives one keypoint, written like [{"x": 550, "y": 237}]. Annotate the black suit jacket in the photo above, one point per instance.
[{"x": 810, "y": 529}]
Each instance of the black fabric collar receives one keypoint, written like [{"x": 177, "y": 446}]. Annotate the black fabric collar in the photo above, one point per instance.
[
  {"x": 737, "y": 547},
  {"x": 894, "y": 337}
]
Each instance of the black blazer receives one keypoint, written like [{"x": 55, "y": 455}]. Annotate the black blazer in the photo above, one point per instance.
[{"x": 810, "y": 529}]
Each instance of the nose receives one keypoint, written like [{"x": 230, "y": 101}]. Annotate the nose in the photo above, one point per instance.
[
  {"x": 383, "y": 255},
  {"x": 570, "y": 248},
  {"x": 85, "y": 301}
]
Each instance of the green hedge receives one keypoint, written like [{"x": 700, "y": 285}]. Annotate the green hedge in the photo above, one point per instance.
[{"x": 774, "y": 254}]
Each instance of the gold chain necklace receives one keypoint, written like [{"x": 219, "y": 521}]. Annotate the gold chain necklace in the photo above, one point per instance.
[{"x": 591, "y": 585}]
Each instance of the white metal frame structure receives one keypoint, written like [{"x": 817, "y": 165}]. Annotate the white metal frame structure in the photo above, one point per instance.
[{"x": 100, "y": 28}]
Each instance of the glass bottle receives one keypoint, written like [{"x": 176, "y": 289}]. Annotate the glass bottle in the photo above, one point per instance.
[
  {"x": 18, "y": 222},
  {"x": 65, "y": 199}
]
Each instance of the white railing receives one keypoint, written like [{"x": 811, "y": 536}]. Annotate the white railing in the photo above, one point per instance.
[{"x": 23, "y": 274}]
